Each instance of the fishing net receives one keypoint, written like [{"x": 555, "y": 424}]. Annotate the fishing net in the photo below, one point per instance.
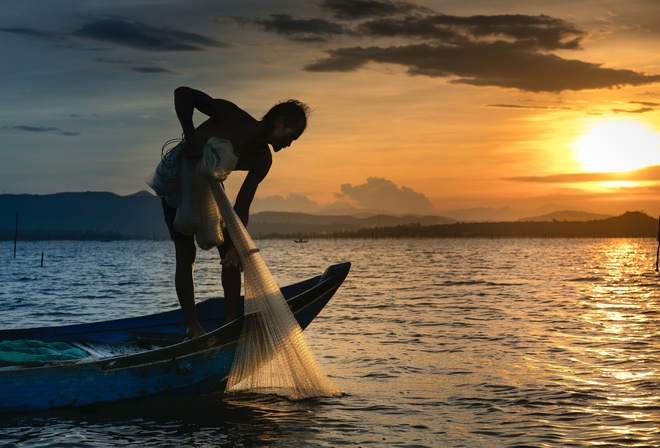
[
  {"x": 165, "y": 179},
  {"x": 272, "y": 355},
  {"x": 184, "y": 183}
]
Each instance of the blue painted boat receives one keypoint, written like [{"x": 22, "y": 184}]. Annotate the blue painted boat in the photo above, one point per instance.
[{"x": 141, "y": 357}]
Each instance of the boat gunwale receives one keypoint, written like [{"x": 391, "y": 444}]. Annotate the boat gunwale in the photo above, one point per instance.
[{"x": 225, "y": 335}]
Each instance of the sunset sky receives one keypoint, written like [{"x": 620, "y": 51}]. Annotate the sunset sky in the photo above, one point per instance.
[{"x": 418, "y": 107}]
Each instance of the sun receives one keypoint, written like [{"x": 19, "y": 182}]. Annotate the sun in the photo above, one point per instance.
[{"x": 617, "y": 146}]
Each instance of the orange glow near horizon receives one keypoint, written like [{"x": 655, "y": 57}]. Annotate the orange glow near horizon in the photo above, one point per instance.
[
  {"x": 617, "y": 145},
  {"x": 620, "y": 184}
]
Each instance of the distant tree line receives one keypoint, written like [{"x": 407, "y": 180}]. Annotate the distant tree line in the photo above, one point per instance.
[
  {"x": 66, "y": 235},
  {"x": 628, "y": 225}
]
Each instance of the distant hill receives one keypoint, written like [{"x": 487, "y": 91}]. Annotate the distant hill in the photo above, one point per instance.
[
  {"x": 628, "y": 225},
  {"x": 497, "y": 214},
  {"x": 85, "y": 215},
  {"x": 568, "y": 215},
  {"x": 286, "y": 223},
  {"x": 483, "y": 214},
  {"x": 547, "y": 212},
  {"x": 102, "y": 215},
  {"x": 94, "y": 215}
]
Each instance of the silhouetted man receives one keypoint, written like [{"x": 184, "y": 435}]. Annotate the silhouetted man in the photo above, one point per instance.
[{"x": 283, "y": 124}]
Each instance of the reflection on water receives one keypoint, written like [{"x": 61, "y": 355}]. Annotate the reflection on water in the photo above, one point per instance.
[
  {"x": 623, "y": 318},
  {"x": 435, "y": 343}
]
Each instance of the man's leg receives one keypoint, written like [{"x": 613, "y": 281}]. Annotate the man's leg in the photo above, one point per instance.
[
  {"x": 185, "y": 284},
  {"x": 231, "y": 283},
  {"x": 185, "y": 251}
]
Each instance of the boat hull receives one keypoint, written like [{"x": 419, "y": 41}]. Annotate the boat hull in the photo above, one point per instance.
[{"x": 176, "y": 368}]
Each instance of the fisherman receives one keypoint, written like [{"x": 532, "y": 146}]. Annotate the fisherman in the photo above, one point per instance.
[{"x": 283, "y": 124}]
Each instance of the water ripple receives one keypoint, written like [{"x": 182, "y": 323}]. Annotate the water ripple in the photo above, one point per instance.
[{"x": 464, "y": 343}]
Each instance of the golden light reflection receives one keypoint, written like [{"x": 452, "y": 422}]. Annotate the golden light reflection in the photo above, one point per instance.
[
  {"x": 617, "y": 145},
  {"x": 619, "y": 346},
  {"x": 620, "y": 184}
]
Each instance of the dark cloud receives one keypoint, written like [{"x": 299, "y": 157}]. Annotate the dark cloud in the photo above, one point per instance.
[
  {"x": 520, "y": 106},
  {"x": 506, "y": 50},
  {"x": 132, "y": 65},
  {"x": 651, "y": 173},
  {"x": 645, "y": 103},
  {"x": 383, "y": 194},
  {"x": 641, "y": 110},
  {"x": 304, "y": 30},
  {"x": 362, "y": 9},
  {"x": 483, "y": 64},
  {"x": 30, "y": 33},
  {"x": 143, "y": 37},
  {"x": 39, "y": 129},
  {"x": 152, "y": 70},
  {"x": 115, "y": 61},
  {"x": 522, "y": 31},
  {"x": 647, "y": 106}
]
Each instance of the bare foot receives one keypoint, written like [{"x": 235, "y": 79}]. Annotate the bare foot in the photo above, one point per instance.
[{"x": 194, "y": 333}]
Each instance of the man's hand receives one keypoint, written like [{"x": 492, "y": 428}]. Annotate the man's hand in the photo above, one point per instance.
[{"x": 231, "y": 259}]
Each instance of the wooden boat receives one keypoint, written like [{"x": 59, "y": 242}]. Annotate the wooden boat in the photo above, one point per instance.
[{"x": 144, "y": 356}]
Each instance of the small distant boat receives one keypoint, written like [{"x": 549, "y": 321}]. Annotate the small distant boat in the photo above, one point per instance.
[{"x": 141, "y": 357}]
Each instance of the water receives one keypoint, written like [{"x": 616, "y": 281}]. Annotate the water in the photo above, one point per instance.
[{"x": 435, "y": 343}]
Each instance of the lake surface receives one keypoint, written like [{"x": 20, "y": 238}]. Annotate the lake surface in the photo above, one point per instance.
[{"x": 434, "y": 342}]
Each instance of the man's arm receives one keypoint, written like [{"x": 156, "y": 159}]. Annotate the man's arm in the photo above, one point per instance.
[
  {"x": 186, "y": 100},
  {"x": 246, "y": 195},
  {"x": 242, "y": 208}
]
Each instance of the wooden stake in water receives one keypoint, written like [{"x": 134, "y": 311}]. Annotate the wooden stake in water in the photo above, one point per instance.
[
  {"x": 15, "y": 235},
  {"x": 657, "y": 251}
]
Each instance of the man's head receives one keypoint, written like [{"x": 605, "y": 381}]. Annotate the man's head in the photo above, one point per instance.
[{"x": 285, "y": 122}]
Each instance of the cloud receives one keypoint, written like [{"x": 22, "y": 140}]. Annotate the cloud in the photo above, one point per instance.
[
  {"x": 304, "y": 30},
  {"x": 650, "y": 173},
  {"x": 377, "y": 195},
  {"x": 361, "y": 9},
  {"x": 300, "y": 203},
  {"x": 645, "y": 103},
  {"x": 382, "y": 194},
  {"x": 144, "y": 37},
  {"x": 30, "y": 33},
  {"x": 39, "y": 129},
  {"x": 513, "y": 51},
  {"x": 151, "y": 70},
  {"x": 137, "y": 68},
  {"x": 647, "y": 106},
  {"x": 520, "y": 106},
  {"x": 291, "y": 203},
  {"x": 522, "y": 31},
  {"x": 641, "y": 110},
  {"x": 486, "y": 64}
]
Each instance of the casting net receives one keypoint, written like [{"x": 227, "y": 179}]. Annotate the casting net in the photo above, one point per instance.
[{"x": 272, "y": 355}]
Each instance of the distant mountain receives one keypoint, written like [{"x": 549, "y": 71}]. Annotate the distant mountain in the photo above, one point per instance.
[
  {"x": 628, "y": 225},
  {"x": 101, "y": 215},
  {"x": 105, "y": 215},
  {"x": 496, "y": 214},
  {"x": 287, "y": 223},
  {"x": 568, "y": 215},
  {"x": 82, "y": 215}
]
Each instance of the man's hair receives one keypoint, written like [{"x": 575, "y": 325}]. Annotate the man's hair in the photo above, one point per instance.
[{"x": 293, "y": 112}]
